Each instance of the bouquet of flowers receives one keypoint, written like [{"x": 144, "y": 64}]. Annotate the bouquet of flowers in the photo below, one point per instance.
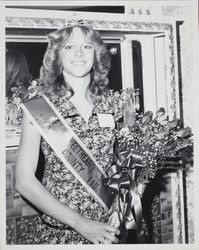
[
  {"x": 144, "y": 145},
  {"x": 151, "y": 144}
]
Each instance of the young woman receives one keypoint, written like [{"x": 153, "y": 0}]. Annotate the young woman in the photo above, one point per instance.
[{"x": 74, "y": 79}]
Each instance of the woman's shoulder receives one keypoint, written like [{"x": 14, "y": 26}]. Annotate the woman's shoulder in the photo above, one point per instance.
[
  {"x": 32, "y": 99},
  {"x": 114, "y": 97},
  {"x": 112, "y": 101}
]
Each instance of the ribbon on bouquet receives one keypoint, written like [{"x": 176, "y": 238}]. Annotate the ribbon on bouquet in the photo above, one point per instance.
[{"x": 122, "y": 181}]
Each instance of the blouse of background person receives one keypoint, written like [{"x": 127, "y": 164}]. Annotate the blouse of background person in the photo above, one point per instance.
[{"x": 75, "y": 64}]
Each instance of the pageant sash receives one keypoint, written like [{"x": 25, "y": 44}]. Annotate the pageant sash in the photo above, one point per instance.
[{"x": 68, "y": 147}]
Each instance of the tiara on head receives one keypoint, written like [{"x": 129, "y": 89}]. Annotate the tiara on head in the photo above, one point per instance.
[{"x": 76, "y": 22}]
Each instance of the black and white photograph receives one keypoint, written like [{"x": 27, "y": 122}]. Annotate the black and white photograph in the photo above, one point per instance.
[{"x": 98, "y": 117}]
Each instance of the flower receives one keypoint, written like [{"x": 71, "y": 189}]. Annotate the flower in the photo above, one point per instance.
[
  {"x": 159, "y": 142},
  {"x": 19, "y": 94}
]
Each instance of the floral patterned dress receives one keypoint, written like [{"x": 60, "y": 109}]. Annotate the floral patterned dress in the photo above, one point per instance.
[{"x": 62, "y": 183}]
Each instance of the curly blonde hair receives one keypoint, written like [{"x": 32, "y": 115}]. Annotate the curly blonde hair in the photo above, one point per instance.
[{"x": 51, "y": 77}]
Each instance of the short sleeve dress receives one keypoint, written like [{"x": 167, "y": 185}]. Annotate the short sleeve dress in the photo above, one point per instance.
[{"x": 62, "y": 184}]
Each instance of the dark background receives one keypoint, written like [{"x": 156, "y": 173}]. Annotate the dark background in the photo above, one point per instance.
[{"x": 34, "y": 53}]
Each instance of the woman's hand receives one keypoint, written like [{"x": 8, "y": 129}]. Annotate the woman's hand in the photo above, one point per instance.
[
  {"x": 97, "y": 232},
  {"x": 114, "y": 219},
  {"x": 115, "y": 215}
]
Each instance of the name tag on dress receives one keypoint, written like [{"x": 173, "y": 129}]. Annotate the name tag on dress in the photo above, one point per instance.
[{"x": 106, "y": 120}]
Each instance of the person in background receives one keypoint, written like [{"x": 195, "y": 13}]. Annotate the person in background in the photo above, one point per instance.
[
  {"x": 18, "y": 74},
  {"x": 18, "y": 79}
]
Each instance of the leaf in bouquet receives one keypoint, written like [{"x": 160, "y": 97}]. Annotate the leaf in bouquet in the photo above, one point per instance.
[
  {"x": 169, "y": 140},
  {"x": 169, "y": 159},
  {"x": 147, "y": 118},
  {"x": 184, "y": 132},
  {"x": 183, "y": 145},
  {"x": 136, "y": 127},
  {"x": 172, "y": 124},
  {"x": 168, "y": 148}
]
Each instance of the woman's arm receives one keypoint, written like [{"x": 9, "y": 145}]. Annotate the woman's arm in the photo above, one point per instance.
[{"x": 28, "y": 185}]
